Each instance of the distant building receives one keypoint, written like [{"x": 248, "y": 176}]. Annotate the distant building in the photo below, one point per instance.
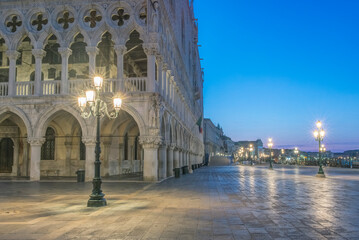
[
  {"x": 213, "y": 143},
  {"x": 257, "y": 146},
  {"x": 228, "y": 145}
]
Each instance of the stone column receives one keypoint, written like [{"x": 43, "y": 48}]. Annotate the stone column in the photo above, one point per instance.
[
  {"x": 120, "y": 51},
  {"x": 38, "y": 54},
  {"x": 180, "y": 158},
  {"x": 35, "y": 158},
  {"x": 68, "y": 146},
  {"x": 176, "y": 160},
  {"x": 65, "y": 54},
  {"x": 150, "y": 51},
  {"x": 190, "y": 157},
  {"x": 162, "y": 164},
  {"x": 159, "y": 74},
  {"x": 164, "y": 80},
  {"x": 90, "y": 144},
  {"x": 170, "y": 161},
  {"x": 92, "y": 52},
  {"x": 12, "y": 55},
  {"x": 150, "y": 145}
]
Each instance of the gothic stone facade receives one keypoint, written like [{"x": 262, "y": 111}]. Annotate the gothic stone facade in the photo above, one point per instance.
[{"x": 147, "y": 52}]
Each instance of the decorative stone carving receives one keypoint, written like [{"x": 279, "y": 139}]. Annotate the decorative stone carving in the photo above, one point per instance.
[
  {"x": 89, "y": 141},
  {"x": 36, "y": 141},
  {"x": 155, "y": 111},
  {"x": 12, "y": 54},
  {"x": 150, "y": 141},
  {"x": 150, "y": 48},
  {"x": 154, "y": 18}
]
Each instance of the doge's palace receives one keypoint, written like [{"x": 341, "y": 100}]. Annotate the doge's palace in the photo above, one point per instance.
[{"x": 147, "y": 53}]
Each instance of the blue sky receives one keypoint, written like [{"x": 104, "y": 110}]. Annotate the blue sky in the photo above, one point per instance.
[{"x": 274, "y": 67}]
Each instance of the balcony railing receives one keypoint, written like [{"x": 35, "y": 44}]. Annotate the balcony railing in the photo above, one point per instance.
[
  {"x": 25, "y": 88},
  {"x": 75, "y": 87},
  {"x": 135, "y": 84},
  {"x": 3, "y": 89},
  {"x": 51, "y": 87}
]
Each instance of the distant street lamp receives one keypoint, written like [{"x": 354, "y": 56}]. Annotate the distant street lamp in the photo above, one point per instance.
[
  {"x": 250, "y": 153},
  {"x": 270, "y": 145},
  {"x": 319, "y": 136},
  {"x": 297, "y": 155},
  {"x": 93, "y": 105},
  {"x": 282, "y": 157}
]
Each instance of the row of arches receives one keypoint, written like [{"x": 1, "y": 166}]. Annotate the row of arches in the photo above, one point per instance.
[
  {"x": 134, "y": 64},
  {"x": 67, "y": 146}
]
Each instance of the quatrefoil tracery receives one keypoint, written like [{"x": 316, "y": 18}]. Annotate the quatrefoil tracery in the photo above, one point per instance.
[
  {"x": 65, "y": 20},
  {"x": 121, "y": 17},
  {"x": 93, "y": 18},
  {"x": 13, "y": 24},
  {"x": 39, "y": 21}
]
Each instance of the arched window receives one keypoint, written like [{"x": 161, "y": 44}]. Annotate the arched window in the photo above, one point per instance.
[
  {"x": 52, "y": 54},
  {"x": 125, "y": 148},
  {"x": 48, "y": 148},
  {"x": 79, "y": 54}
]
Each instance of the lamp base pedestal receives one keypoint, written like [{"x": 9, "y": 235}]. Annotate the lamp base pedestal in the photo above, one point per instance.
[
  {"x": 320, "y": 175},
  {"x": 96, "y": 202}
]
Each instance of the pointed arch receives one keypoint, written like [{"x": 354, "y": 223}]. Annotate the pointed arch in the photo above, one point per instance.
[{"x": 21, "y": 114}]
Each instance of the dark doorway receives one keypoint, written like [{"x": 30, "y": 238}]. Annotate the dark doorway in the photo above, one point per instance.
[{"x": 6, "y": 155}]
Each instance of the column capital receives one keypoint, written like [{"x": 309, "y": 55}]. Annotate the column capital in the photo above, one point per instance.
[
  {"x": 150, "y": 48},
  {"x": 36, "y": 141},
  {"x": 159, "y": 59},
  {"x": 12, "y": 54},
  {"x": 65, "y": 52},
  {"x": 38, "y": 53},
  {"x": 151, "y": 141},
  {"x": 92, "y": 50},
  {"x": 120, "y": 49},
  {"x": 164, "y": 66},
  {"x": 89, "y": 141}
]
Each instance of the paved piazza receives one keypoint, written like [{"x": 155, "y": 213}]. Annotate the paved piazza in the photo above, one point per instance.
[{"x": 234, "y": 202}]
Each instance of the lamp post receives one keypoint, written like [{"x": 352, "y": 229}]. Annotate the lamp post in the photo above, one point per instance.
[
  {"x": 297, "y": 155},
  {"x": 319, "y": 136},
  {"x": 270, "y": 145},
  {"x": 282, "y": 152},
  {"x": 93, "y": 105},
  {"x": 250, "y": 153}
]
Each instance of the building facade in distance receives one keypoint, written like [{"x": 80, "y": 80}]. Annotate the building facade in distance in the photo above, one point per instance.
[{"x": 147, "y": 53}]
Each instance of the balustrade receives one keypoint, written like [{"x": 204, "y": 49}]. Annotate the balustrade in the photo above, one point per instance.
[
  {"x": 4, "y": 89},
  {"x": 135, "y": 84},
  {"x": 75, "y": 87}
]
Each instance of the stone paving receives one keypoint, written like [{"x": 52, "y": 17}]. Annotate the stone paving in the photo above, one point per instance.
[{"x": 233, "y": 202}]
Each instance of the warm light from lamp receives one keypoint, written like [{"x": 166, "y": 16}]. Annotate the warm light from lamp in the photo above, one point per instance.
[
  {"x": 90, "y": 96},
  {"x": 82, "y": 102},
  {"x": 117, "y": 102},
  {"x": 322, "y": 133},
  {"x": 98, "y": 81},
  {"x": 316, "y": 133},
  {"x": 319, "y": 124}
]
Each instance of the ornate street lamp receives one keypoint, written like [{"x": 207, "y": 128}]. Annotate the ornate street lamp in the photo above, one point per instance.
[
  {"x": 319, "y": 136},
  {"x": 270, "y": 145},
  {"x": 93, "y": 105}
]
